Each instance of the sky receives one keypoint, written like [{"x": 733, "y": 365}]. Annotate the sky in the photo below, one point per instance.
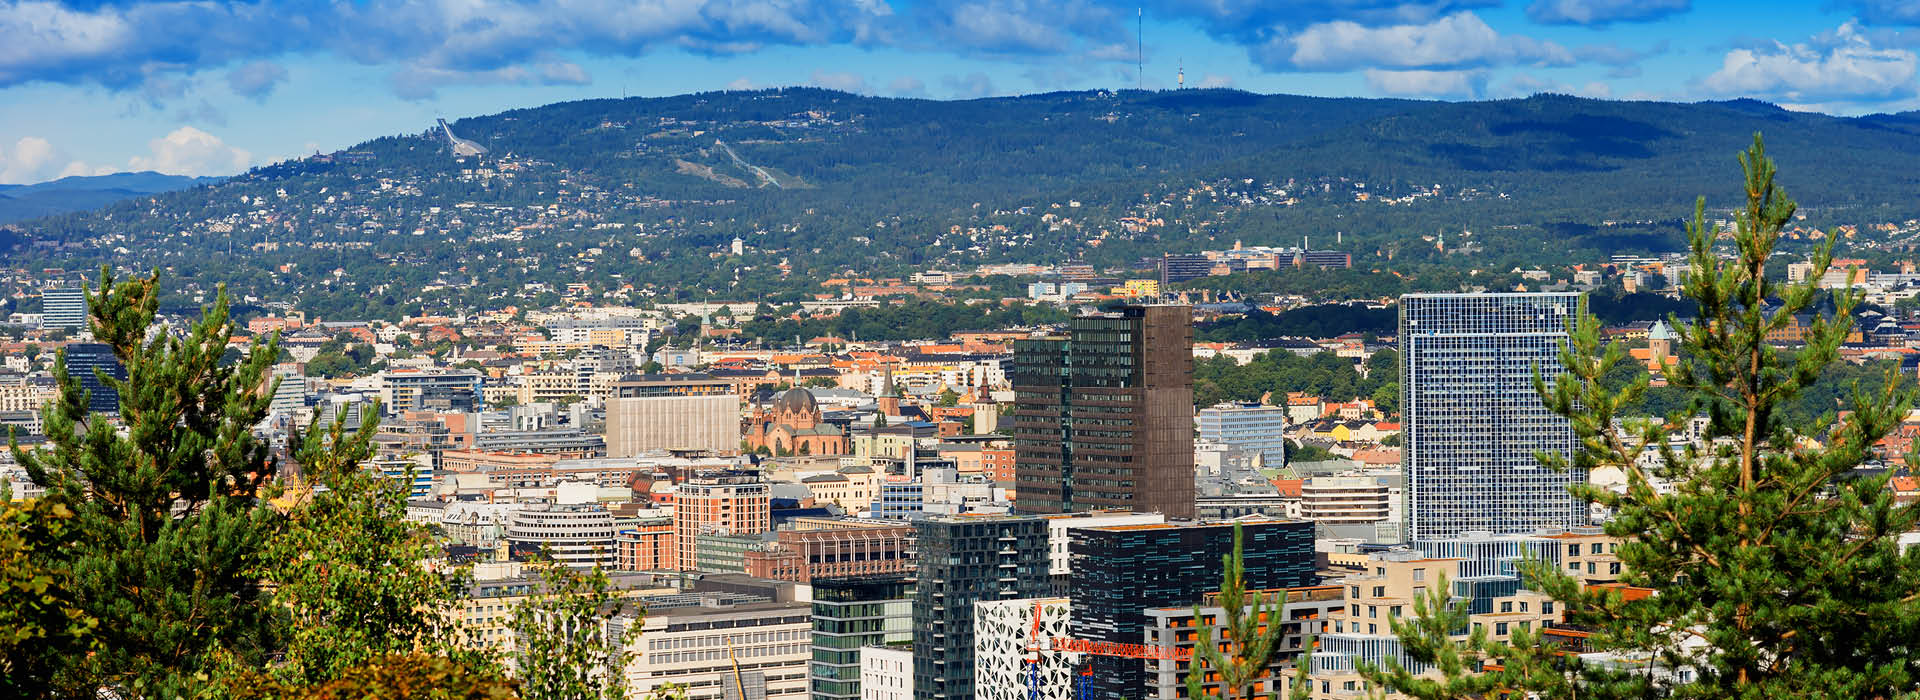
[{"x": 212, "y": 87}]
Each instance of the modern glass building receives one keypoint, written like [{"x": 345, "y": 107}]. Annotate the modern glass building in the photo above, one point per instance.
[
  {"x": 962, "y": 560},
  {"x": 1247, "y": 426},
  {"x": 1103, "y": 415},
  {"x": 1120, "y": 572},
  {"x": 82, "y": 360},
  {"x": 1471, "y": 420},
  {"x": 849, "y": 614}
]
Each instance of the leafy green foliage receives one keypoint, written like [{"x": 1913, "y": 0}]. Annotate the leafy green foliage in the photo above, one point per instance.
[
  {"x": 352, "y": 572},
  {"x": 1469, "y": 665},
  {"x": 1323, "y": 321},
  {"x": 167, "y": 524},
  {"x": 1778, "y": 569},
  {"x": 1275, "y": 373},
  {"x": 562, "y": 651},
  {"x": 409, "y": 676},
  {"x": 41, "y": 625}
]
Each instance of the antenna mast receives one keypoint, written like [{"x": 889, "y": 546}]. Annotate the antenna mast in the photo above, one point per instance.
[{"x": 1139, "y": 48}]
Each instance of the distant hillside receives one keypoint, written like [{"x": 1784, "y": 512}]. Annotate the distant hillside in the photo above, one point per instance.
[
  {"x": 80, "y": 193},
  {"x": 818, "y": 183}
]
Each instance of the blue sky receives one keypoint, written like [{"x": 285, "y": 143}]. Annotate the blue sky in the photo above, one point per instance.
[{"x": 210, "y": 87}]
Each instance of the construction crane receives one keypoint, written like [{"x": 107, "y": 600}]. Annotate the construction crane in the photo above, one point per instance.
[{"x": 1035, "y": 645}]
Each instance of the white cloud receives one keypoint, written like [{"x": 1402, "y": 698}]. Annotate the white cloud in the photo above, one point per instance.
[
  {"x": 1212, "y": 80},
  {"x": 1460, "y": 40},
  {"x": 190, "y": 151},
  {"x": 1463, "y": 84},
  {"x": 1844, "y": 67},
  {"x": 742, "y": 83},
  {"x": 30, "y": 159},
  {"x": 844, "y": 82},
  {"x": 1523, "y": 85}
]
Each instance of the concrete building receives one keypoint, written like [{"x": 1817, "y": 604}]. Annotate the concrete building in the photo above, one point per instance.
[
  {"x": 63, "y": 308},
  {"x": 579, "y": 535},
  {"x": 1251, "y": 427},
  {"x": 403, "y": 390},
  {"x": 1060, "y": 538},
  {"x": 676, "y": 412},
  {"x": 1346, "y": 499},
  {"x": 1472, "y": 422},
  {"x": 886, "y": 673},
  {"x": 1303, "y": 613},
  {"x": 855, "y": 549},
  {"x": 734, "y": 502},
  {"x": 1002, "y": 630},
  {"x": 647, "y": 546},
  {"x": 688, "y": 639},
  {"x": 1104, "y": 415}
]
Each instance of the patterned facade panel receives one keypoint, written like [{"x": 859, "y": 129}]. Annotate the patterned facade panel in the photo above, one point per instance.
[{"x": 1003, "y": 634}]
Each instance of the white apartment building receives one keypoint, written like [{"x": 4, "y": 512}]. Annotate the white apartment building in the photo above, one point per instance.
[
  {"x": 577, "y": 535},
  {"x": 886, "y": 673},
  {"x": 695, "y": 639}
]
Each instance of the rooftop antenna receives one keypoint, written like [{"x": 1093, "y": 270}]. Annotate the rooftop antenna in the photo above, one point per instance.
[{"x": 1139, "y": 48}]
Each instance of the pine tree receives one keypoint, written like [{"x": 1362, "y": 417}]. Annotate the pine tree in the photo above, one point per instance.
[
  {"x": 1249, "y": 631},
  {"x": 1776, "y": 563},
  {"x": 1465, "y": 662},
  {"x": 167, "y": 524},
  {"x": 562, "y": 649},
  {"x": 354, "y": 575}
]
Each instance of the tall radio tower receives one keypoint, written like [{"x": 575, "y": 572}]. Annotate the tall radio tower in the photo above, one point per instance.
[{"x": 1139, "y": 48}]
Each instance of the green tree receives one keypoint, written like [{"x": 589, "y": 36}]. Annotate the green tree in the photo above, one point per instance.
[
  {"x": 167, "y": 521},
  {"x": 41, "y": 624},
  {"x": 1440, "y": 635},
  {"x": 414, "y": 675},
  {"x": 1249, "y": 632},
  {"x": 949, "y": 398},
  {"x": 351, "y": 570},
  {"x": 1778, "y": 568},
  {"x": 562, "y": 650}
]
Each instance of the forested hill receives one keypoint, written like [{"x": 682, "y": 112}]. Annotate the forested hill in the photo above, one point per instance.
[{"x": 829, "y": 182}]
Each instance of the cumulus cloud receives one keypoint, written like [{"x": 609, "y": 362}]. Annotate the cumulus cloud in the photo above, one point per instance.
[
  {"x": 1212, "y": 80},
  {"x": 127, "y": 45},
  {"x": 1257, "y": 21},
  {"x": 1840, "y": 66},
  {"x": 1455, "y": 84},
  {"x": 30, "y": 159},
  {"x": 1598, "y": 13},
  {"x": 969, "y": 86},
  {"x": 190, "y": 151},
  {"x": 844, "y": 82},
  {"x": 1456, "y": 41},
  {"x": 256, "y": 80}
]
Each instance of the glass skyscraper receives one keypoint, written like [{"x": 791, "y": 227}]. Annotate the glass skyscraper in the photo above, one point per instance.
[{"x": 1471, "y": 420}]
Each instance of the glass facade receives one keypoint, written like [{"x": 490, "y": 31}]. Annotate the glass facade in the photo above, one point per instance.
[
  {"x": 82, "y": 361},
  {"x": 1119, "y": 572},
  {"x": 1103, "y": 416},
  {"x": 963, "y": 560},
  {"x": 1253, "y": 427},
  {"x": 1471, "y": 420},
  {"x": 851, "y": 613}
]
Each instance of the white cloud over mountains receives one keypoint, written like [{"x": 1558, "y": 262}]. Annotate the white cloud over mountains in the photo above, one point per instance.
[{"x": 183, "y": 151}]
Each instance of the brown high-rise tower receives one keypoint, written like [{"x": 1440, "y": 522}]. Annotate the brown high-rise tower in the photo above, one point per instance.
[{"x": 1104, "y": 415}]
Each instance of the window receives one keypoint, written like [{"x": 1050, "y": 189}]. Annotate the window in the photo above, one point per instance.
[
  {"x": 1500, "y": 628},
  {"x": 1373, "y": 611},
  {"x": 1506, "y": 606},
  {"x": 1546, "y": 607},
  {"x": 1379, "y": 591},
  {"x": 1573, "y": 550},
  {"x": 1419, "y": 574},
  {"x": 1394, "y": 611}
]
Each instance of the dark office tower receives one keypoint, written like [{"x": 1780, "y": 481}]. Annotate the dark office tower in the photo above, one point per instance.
[
  {"x": 965, "y": 559},
  {"x": 848, "y": 615},
  {"x": 1119, "y": 572},
  {"x": 1180, "y": 267},
  {"x": 1104, "y": 415},
  {"x": 82, "y": 360},
  {"x": 1472, "y": 421}
]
